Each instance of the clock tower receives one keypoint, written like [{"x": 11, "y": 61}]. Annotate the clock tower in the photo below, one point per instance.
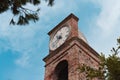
[{"x": 68, "y": 49}]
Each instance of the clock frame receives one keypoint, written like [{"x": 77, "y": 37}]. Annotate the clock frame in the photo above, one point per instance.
[{"x": 59, "y": 37}]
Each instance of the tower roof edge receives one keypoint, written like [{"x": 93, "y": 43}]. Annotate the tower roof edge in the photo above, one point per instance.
[{"x": 65, "y": 20}]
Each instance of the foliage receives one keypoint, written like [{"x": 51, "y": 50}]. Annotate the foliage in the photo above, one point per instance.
[
  {"x": 23, "y": 15},
  {"x": 109, "y": 68}
]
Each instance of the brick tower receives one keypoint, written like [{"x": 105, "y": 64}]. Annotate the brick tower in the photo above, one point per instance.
[{"x": 68, "y": 49}]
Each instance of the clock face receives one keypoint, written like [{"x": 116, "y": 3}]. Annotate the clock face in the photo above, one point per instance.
[{"x": 59, "y": 38}]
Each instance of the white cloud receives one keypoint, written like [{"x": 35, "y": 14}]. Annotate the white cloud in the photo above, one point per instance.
[
  {"x": 109, "y": 16},
  {"x": 24, "y": 60},
  {"x": 23, "y": 39},
  {"x": 105, "y": 25}
]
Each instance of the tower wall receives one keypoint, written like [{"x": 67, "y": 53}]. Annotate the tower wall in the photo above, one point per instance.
[{"x": 74, "y": 50}]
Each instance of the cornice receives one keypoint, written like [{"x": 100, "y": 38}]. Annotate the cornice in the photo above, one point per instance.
[{"x": 67, "y": 43}]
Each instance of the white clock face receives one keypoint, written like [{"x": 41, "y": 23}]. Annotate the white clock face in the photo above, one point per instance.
[{"x": 59, "y": 38}]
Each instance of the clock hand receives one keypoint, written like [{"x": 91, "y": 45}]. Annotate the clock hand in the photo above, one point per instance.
[
  {"x": 54, "y": 43},
  {"x": 59, "y": 37}
]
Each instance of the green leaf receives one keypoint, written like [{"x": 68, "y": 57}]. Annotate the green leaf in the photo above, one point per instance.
[
  {"x": 22, "y": 21},
  {"x": 12, "y": 22},
  {"x": 4, "y": 6},
  {"x": 50, "y": 2}
]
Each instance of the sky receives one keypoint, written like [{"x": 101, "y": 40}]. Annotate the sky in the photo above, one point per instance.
[{"x": 22, "y": 48}]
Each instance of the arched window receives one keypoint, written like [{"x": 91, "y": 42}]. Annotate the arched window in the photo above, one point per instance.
[{"x": 61, "y": 71}]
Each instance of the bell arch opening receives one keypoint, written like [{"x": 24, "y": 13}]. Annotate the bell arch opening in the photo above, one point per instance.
[{"x": 61, "y": 71}]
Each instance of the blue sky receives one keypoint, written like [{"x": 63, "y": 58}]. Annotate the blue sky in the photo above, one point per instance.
[{"x": 22, "y": 48}]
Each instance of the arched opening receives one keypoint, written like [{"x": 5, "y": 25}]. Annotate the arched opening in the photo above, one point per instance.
[{"x": 61, "y": 70}]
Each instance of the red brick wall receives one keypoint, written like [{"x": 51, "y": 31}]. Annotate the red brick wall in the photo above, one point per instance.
[{"x": 75, "y": 54}]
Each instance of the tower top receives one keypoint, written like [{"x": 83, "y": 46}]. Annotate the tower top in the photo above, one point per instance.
[{"x": 65, "y": 20}]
